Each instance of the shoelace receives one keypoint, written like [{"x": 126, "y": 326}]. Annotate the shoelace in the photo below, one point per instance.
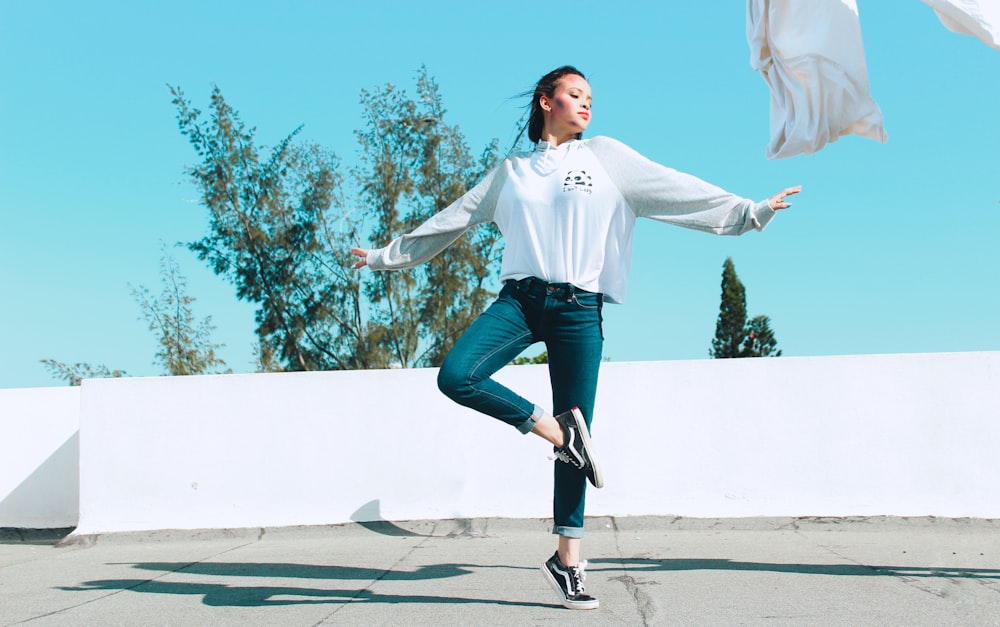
[
  {"x": 579, "y": 576},
  {"x": 561, "y": 454}
]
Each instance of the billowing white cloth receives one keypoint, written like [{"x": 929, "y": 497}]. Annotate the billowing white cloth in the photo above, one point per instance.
[
  {"x": 811, "y": 55},
  {"x": 979, "y": 18}
]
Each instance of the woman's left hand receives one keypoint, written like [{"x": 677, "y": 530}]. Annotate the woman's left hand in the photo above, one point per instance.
[{"x": 777, "y": 201}]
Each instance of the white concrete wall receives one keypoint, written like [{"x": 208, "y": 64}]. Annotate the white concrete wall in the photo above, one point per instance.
[
  {"x": 835, "y": 436},
  {"x": 39, "y": 457}
]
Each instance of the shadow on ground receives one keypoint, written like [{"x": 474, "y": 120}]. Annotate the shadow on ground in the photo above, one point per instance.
[
  {"x": 225, "y": 594},
  {"x": 844, "y": 570},
  {"x": 17, "y": 535},
  {"x": 310, "y": 571}
]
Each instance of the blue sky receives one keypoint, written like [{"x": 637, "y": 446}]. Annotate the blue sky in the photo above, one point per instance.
[{"x": 890, "y": 248}]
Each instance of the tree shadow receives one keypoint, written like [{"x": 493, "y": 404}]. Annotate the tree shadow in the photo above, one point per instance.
[{"x": 845, "y": 570}]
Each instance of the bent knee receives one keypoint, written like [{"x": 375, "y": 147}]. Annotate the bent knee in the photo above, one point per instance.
[{"x": 452, "y": 381}]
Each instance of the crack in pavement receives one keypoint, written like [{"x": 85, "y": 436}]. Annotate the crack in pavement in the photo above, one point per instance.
[
  {"x": 644, "y": 604},
  {"x": 912, "y": 582},
  {"x": 92, "y": 539},
  {"x": 368, "y": 588}
]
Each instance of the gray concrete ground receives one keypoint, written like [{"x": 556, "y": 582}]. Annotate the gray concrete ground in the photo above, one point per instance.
[{"x": 646, "y": 571}]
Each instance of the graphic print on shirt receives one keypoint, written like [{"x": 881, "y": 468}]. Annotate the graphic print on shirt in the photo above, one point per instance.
[{"x": 577, "y": 181}]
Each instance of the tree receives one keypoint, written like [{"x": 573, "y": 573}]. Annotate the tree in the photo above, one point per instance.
[
  {"x": 730, "y": 328},
  {"x": 74, "y": 374},
  {"x": 281, "y": 226},
  {"x": 186, "y": 347},
  {"x": 540, "y": 358},
  {"x": 760, "y": 340},
  {"x": 267, "y": 228},
  {"x": 734, "y": 336},
  {"x": 413, "y": 165}
]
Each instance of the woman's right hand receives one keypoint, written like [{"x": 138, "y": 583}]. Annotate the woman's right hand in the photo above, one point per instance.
[
  {"x": 778, "y": 201},
  {"x": 360, "y": 252}
]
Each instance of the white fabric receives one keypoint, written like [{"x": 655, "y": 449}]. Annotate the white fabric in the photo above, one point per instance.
[
  {"x": 979, "y": 18},
  {"x": 568, "y": 212},
  {"x": 811, "y": 55}
]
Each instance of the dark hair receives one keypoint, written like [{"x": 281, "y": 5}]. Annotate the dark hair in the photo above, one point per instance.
[{"x": 546, "y": 86}]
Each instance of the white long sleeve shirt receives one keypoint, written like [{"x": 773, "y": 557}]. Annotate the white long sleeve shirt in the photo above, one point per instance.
[{"x": 567, "y": 214}]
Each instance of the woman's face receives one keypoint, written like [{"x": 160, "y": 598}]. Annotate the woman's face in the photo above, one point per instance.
[{"x": 567, "y": 112}]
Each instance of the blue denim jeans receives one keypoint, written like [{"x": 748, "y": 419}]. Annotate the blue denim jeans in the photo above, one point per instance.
[{"x": 569, "y": 321}]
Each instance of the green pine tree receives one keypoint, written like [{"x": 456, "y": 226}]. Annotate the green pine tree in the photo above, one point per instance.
[
  {"x": 734, "y": 336},
  {"x": 730, "y": 328},
  {"x": 760, "y": 340}
]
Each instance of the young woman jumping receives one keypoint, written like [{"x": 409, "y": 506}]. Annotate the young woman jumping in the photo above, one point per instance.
[{"x": 567, "y": 211}]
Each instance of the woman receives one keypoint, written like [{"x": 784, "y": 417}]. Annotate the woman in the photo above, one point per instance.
[{"x": 567, "y": 211}]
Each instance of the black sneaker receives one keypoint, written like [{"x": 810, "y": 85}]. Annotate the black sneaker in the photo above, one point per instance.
[
  {"x": 577, "y": 451},
  {"x": 567, "y": 581}
]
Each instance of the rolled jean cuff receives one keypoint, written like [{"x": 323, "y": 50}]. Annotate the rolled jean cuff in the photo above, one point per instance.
[
  {"x": 567, "y": 532},
  {"x": 531, "y": 421}
]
